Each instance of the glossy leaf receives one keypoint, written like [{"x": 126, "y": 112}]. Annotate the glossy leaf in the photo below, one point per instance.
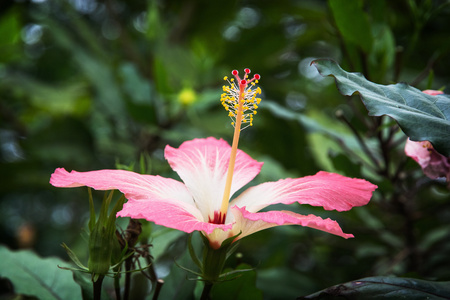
[
  {"x": 39, "y": 277},
  {"x": 385, "y": 288},
  {"x": 422, "y": 117}
]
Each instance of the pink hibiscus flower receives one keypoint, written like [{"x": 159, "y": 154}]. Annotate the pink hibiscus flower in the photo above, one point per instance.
[
  {"x": 212, "y": 172},
  {"x": 195, "y": 204},
  {"x": 434, "y": 164}
]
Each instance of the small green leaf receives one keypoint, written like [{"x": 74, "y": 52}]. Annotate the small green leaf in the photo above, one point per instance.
[
  {"x": 194, "y": 257},
  {"x": 35, "y": 276},
  {"x": 74, "y": 257},
  {"x": 421, "y": 117},
  {"x": 385, "y": 288}
]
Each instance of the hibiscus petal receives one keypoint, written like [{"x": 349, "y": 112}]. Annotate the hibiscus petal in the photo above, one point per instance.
[
  {"x": 167, "y": 214},
  {"x": 329, "y": 190},
  {"x": 134, "y": 186},
  {"x": 434, "y": 164},
  {"x": 202, "y": 164},
  {"x": 165, "y": 201},
  {"x": 418, "y": 151},
  {"x": 249, "y": 223}
]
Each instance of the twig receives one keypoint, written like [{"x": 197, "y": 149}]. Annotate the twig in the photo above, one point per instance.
[
  {"x": 159, "y": 284},
  {"x": 340, "y": 116}
]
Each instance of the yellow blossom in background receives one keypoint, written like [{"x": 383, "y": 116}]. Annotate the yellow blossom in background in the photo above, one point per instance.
[{"x": 187, "y": 96}]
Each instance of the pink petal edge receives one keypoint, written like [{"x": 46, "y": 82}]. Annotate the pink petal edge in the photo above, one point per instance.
[
  {"x": 253, "y": 222},
  {"x": 329, "y": 190}
]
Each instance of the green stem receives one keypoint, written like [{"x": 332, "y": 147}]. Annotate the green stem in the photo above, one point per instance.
[
  {"x": 98, "y": 287},
  {"x": 206, "y": 290},
  {"x": 159, "y": 284},
  {"x": 128, "y": 263},
  {"x": 117, "y": 286}
]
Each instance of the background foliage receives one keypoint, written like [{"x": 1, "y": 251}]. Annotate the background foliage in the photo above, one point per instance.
[{"x": 88, "y": 84}]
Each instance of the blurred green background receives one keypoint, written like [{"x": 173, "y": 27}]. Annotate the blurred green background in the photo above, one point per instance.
[{"x": 88, "y": 84}]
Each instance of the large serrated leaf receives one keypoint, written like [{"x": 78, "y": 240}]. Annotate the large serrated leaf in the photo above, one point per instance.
[
  {"x": 386, "y": 288},
  {"x": 421, "y": 117},
  {"x": 32, "y": 275}
]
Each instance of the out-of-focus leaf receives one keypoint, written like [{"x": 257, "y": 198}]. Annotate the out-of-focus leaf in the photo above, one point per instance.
[
  {"x": 383, "y": 51},
  {"x": 422, "y": 117},
  {"x": 344, "y": 164},
  {"x": 175, "y": 285},
  {"x": 9, "y": 36},
  {"x": 136, "y": 87},
  {"x": 283, "y": 283},
  {"x": 352, "y": 22},
  {"x": 32, "y": 275},
  {"x": 68, "y": 99},
  {"x": 385, "y": 288},
  {"x": 243, "y": 287}
]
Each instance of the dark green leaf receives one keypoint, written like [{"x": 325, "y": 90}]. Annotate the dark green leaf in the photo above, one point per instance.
[
  {"x": 352, "y": 22},
  {"x": 32, "y": 275},
  {"x": 385, "y": 288},
  {"x": 243, "y": 287},
  {"x": 345, "y": 165},
  {"x": 421, "y": 116}
]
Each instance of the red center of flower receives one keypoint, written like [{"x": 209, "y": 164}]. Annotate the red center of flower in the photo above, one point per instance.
[{"x": 219, "y": 218}]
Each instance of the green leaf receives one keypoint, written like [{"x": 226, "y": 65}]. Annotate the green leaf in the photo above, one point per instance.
[
  {"x": 242, "y": 288},
  {"x": 385, "y": 288},
  {"x": 74, "y": 257},
  {"x": 421, "y": 117},
  {"x": 32, "y": 275},
  {"x": 352, "y": 22},
  {"x": 10, "y": 35}
]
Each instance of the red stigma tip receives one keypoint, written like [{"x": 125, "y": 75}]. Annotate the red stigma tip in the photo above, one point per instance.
[
  {"x": 247, "y": 70},
  {"x": 257, "y": 76},
  {"x": 243, "y": 81},
  {"x": 235, "y": 72}
]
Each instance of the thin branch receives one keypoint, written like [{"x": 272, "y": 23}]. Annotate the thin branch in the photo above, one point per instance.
[
  {"x": 365, "y": 148},
  {"x": 159, "y": 284}
]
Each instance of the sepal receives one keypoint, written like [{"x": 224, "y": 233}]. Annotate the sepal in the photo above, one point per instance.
[{"x": 213, "y": 260}]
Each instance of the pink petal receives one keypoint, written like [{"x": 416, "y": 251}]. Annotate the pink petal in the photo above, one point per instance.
[
  {"x": 433, "y": 92},
  {"x": 202, "y": 164},
  {"x": 135, "y": 186},
  {"x": 167, "y": 214},
  {"x": 433, "y": 164},
  {"x": 332, "y": 191},
  {"x": 418, "y": 151},
  {"x": 162, "y": 200},
  {"x": 250, "y": 223}
]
